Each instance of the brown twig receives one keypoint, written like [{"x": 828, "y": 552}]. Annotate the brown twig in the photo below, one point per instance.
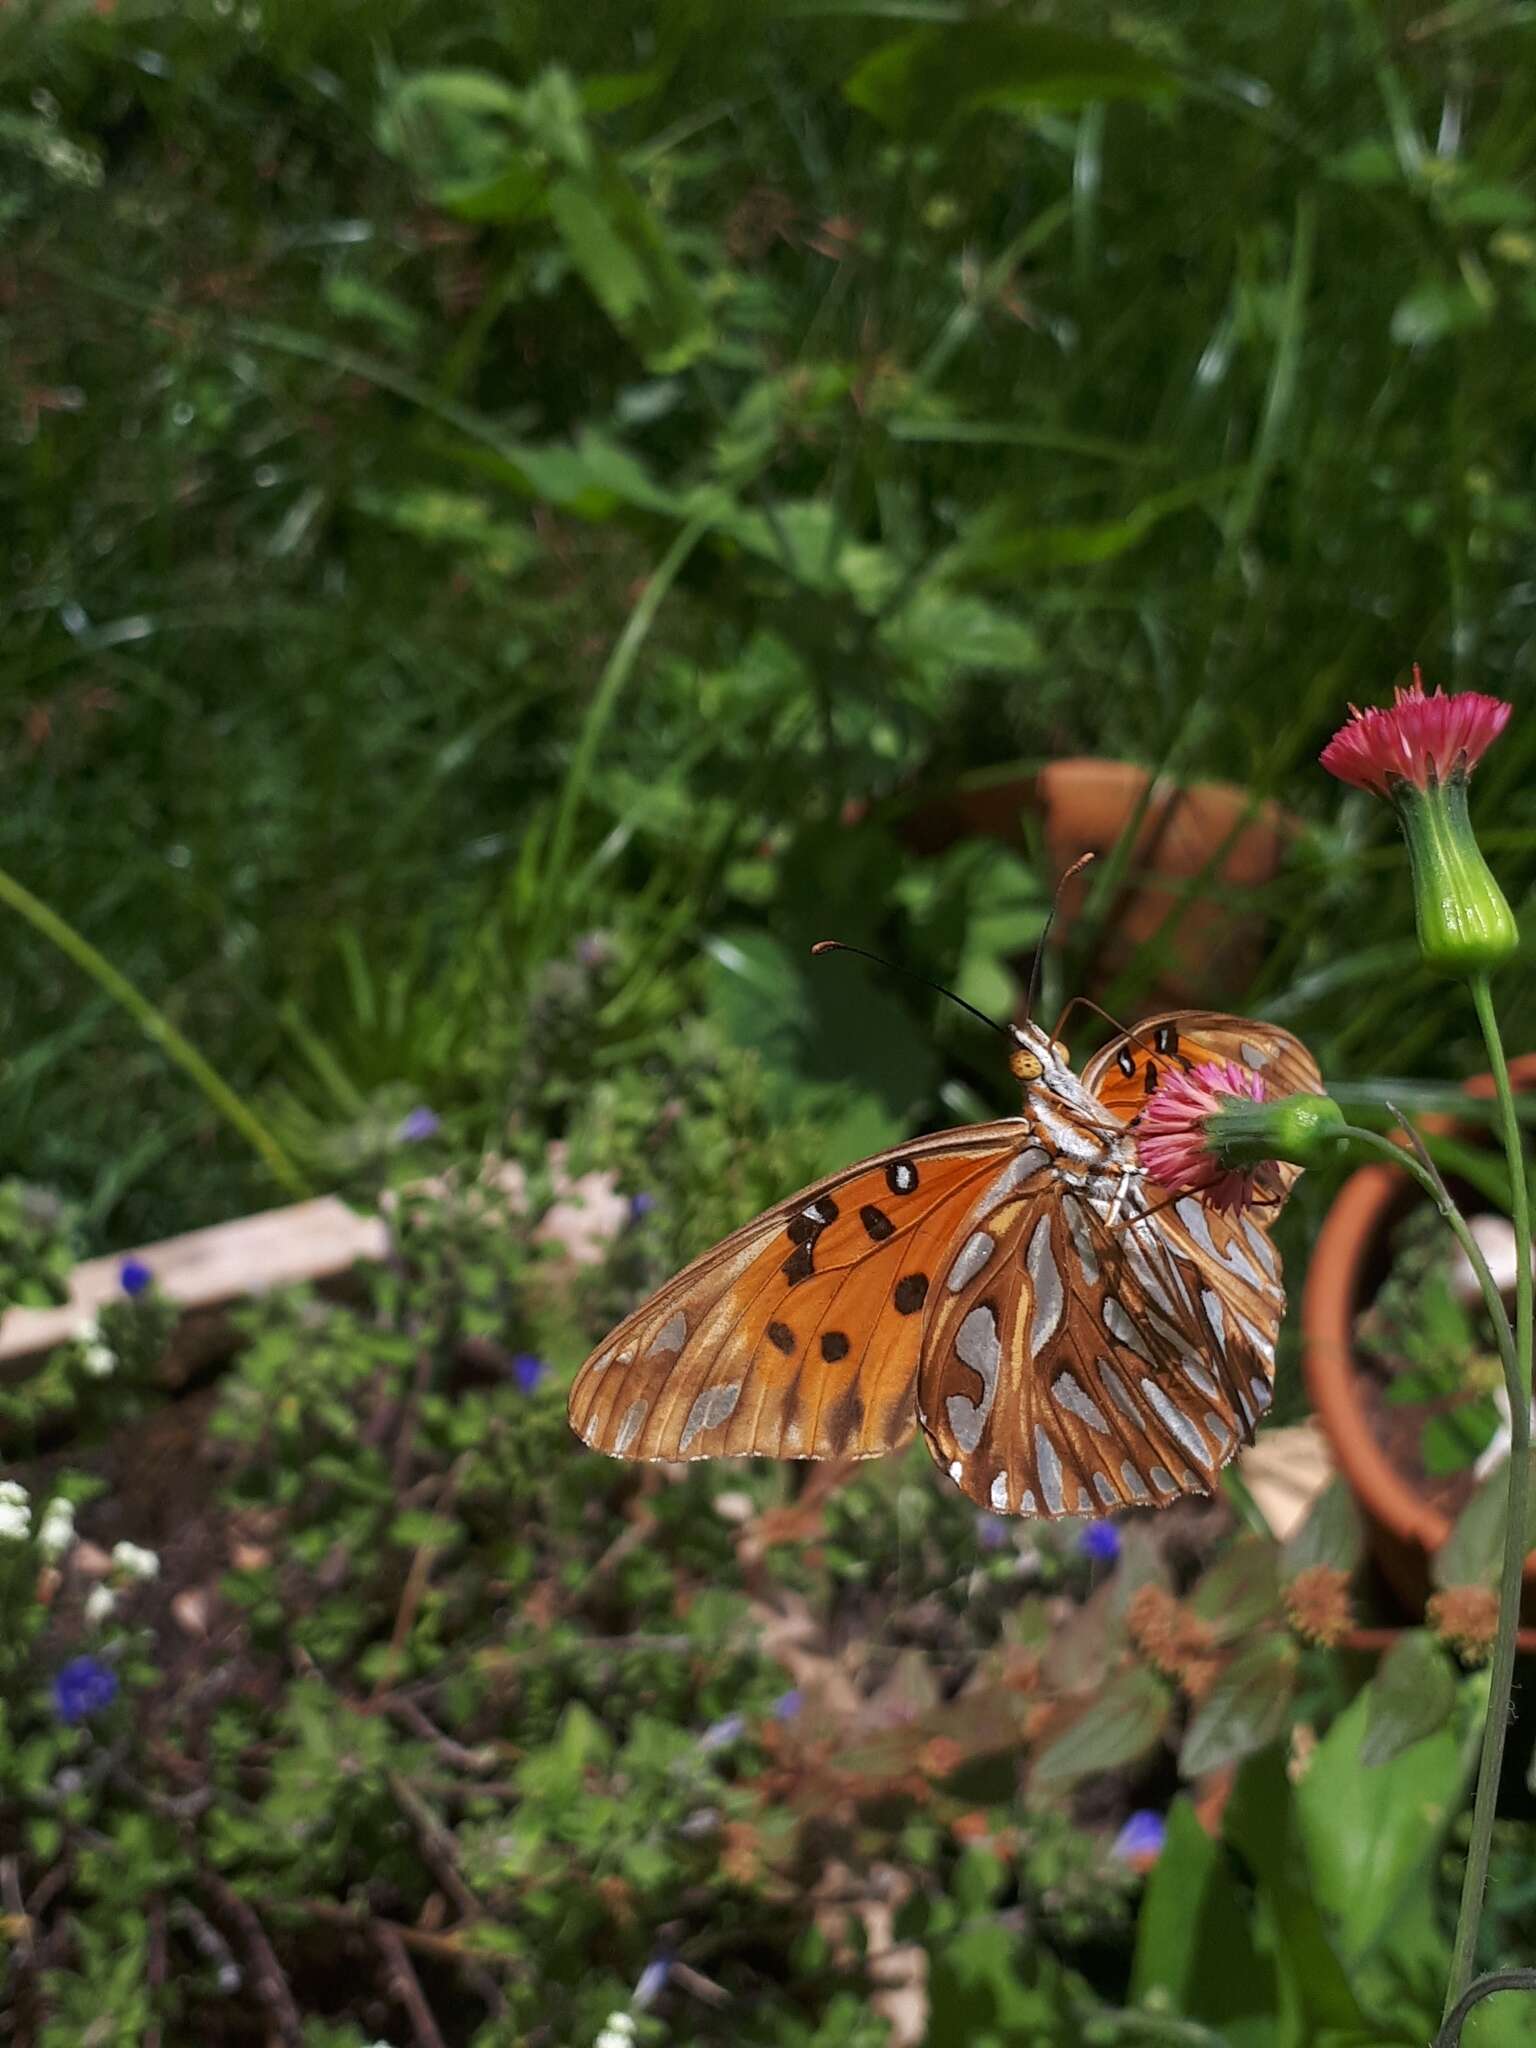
[
  {"x": 416, "y": 1583},
  {"x": 405, "y": 1986},
  {"x": 439, "y": 1850},
  {"x": 155, "y": 1971},
  {"x": 452, "y": 1753},
  {"x": 18, "y": 1919},
  {"x": 267, "y": 1980},
  {"x": 443, "y": 1948},
  {"x": 628, "y": 1540},
  {"x": 405, "y": 1442},
  {"x": 705, "y": 1989}
]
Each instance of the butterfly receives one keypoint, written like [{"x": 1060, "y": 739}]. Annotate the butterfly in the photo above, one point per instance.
[{"x": 1070, "y": 1338}]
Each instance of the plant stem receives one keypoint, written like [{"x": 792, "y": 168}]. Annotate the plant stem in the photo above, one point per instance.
[
  {"x": 1498, "y": 1980},
  {"x": 156, "y": 1026},
  {"x": 1511, "y": 1579},
  {"x": 1429, "y": 1180}
]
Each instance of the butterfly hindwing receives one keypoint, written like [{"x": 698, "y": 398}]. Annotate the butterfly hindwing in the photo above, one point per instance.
[
  {"x": 1113, "y": 1350},
  {"x": 799, "y": 1336}
]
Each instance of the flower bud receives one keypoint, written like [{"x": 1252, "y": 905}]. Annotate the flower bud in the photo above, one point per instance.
[
  {"x": 1419, "y": 754},
  {"x": 1211, "y": 1132},
  {"x": 1303, "y": 1130},
  {"x": 1465, "y": 925}
]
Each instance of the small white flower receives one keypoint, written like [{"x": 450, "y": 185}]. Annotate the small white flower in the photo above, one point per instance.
[
  {"x": 100, "y": 1602},
  {"x": 618, "y": 2031},
  {"x": 15, "y": 1521},
  {"x": 100, "y": 1360},
  {"x": 137, "y": 1563},
  {"x": 56, "y": 1531},
  {"x": 87, "y": 1331},
  {"x": 12, "y": 1493},
  {"x": 68, "y": 1780}
]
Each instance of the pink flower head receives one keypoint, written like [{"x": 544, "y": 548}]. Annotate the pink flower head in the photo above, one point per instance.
[
  {"x": 1171, "y": 1137},
  {"x": 1419, "y": 740}
]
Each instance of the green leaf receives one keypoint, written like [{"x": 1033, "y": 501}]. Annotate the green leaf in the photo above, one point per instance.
[
  {"x": 1433, "y": 310},
  {"x": 1195, "y": 1949},
  {"x": 1260, "y": 1822},
  {"x": 1367, "y": 1832},
  {"x": 1004, "y": 537},
  {"x": 1122, "y": 1724},
  {"x": 989, "y": 1983},
  {"x": 617, "y": 245},
  {"x": 1330, "y": 1534},
  {"x": 947, "y": 632},
  {"x": 930, "y": 81},
  {"x": 458, "y": 133},
  {"x": 1412, "y": 1695},
  {"x": 1241, "y": 1590},
  {"x": 1247, "y": 1707},
  {"x": 1472, "y": 1553},
  {"x": 1452, "y": 1441}
]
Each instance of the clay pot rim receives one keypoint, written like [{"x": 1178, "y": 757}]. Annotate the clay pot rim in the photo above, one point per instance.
[{"x": 1350, "y": 1232}]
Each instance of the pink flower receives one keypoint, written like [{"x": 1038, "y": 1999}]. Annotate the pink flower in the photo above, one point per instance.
[
  {"x": 1419, "y": 740},
  {"x": 1176, "y": 1148}
]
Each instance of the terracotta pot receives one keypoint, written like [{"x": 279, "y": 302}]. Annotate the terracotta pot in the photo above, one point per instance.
[
  {"x": 1349, "y": 1261},
  {"x": 1087, "y": 806}
]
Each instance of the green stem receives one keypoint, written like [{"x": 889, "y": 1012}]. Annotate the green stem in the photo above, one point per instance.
[
  {"x": 1511, "y": 1579},
  {"x": 156, "y": 1026},
  {"x": 1423, "y": 1171}
]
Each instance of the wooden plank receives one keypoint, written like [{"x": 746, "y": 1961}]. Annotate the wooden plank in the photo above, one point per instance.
[{"x": 307, "y": 1241}]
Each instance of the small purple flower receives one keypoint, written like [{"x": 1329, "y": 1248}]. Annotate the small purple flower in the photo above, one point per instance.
[
  {"x": 83, "y": 1687},
  {"x": 653, "y": 1981},
  {"x": 1140, "y": 1841},
  {"x": 1101, "y": 1542},
  {"x": 641, "y": 1205},
  {"x": 721, "y": 1734},
  {"x": 133, "y": 1276},
  {"x": 527, "y": 1371},
  {"x": 420, "y": 1123},
  {"x": 788, "y": 1704},
  {"x": 993, "y": 1532}
]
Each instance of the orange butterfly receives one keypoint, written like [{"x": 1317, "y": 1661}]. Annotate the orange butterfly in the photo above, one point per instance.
[{"x": 1069, "y": 1339}]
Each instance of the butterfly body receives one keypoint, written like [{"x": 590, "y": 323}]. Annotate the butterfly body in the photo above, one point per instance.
[{"x": 1068, "y": 1338}]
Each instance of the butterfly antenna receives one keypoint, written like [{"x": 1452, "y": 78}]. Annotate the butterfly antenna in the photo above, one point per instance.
[
  {"x": 1034, "y": 972},
  {"x": 842, "y": 946}
]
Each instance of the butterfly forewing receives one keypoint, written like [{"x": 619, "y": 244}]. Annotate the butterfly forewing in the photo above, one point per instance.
[
  {"x": 1126, "y": 1072},
  {"x": 1123, "y": 1073},
  {"x": 800, "y": 1336}
]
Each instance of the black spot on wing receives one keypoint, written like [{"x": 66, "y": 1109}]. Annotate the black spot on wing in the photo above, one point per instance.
[
  {"x": 781, "y": 1337},
  {"x": 911, "y": 1292},
  {"x": 876, "y": 1222},
  {"x": 799, "y": 1265},
  {"x": 834, "y": 1345}
]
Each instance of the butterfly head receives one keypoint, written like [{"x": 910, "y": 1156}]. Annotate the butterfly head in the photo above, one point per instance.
[{"x": 1034, "y": 1054}]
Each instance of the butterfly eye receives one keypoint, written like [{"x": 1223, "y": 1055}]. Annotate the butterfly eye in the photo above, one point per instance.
[{"x": 1025, "y": 1065}]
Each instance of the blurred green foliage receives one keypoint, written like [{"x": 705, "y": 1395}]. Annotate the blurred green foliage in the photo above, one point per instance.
[
  {"x": 481, "y": 479},
  {"x": 515, "y": 516}
]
